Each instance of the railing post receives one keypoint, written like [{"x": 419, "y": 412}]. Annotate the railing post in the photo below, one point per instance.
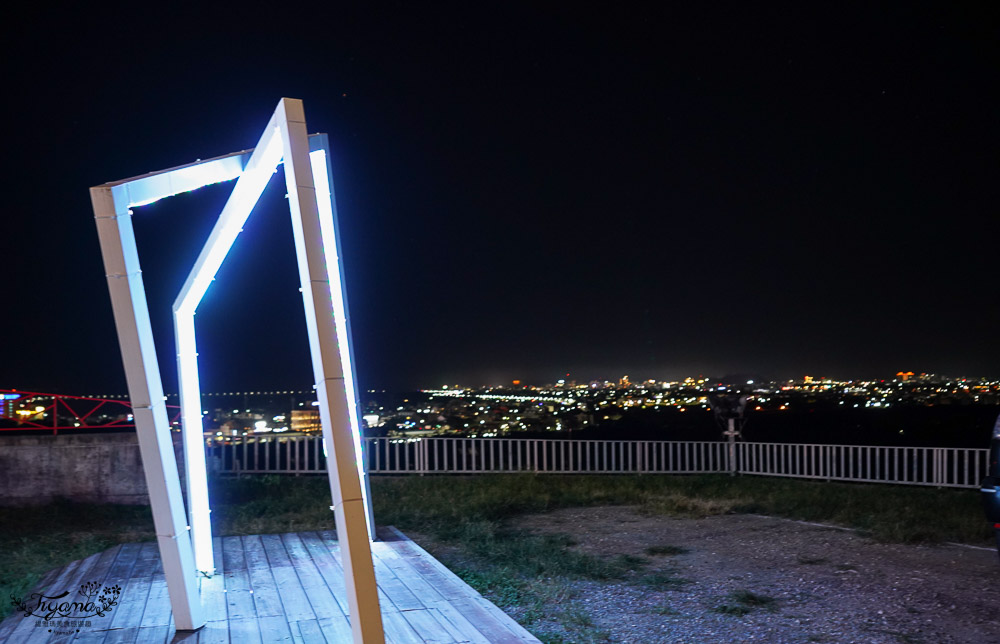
[{"x": 731, "y": 434}]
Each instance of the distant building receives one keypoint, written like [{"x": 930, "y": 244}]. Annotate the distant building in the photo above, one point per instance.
[
  {"x": 305, "y": 421},
  {"x": 7, "y": 406}
]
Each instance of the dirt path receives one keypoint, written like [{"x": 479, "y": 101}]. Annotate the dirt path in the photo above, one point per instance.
[{"x": 827, "y": 584}]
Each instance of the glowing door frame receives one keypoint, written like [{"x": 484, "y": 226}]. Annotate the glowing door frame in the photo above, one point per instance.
[{"x": 313, "y": 215}]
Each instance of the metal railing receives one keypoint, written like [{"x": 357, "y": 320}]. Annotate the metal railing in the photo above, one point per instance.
[{"x": 935, "y": 466}]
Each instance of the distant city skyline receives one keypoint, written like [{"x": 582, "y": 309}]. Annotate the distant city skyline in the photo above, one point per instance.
[{"x": 729, "y": 379}]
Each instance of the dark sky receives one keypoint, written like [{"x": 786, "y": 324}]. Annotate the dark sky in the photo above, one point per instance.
[{"x": 524, "y": 192}]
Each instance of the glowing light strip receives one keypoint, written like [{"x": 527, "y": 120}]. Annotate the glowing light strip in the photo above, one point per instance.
[
  {"x": 324, "y": 202},
  {"x": 145, "y": 190},
  {"x": 192, "y": 434},
  {"x": 249, "y": 187},
  {"x": 261, "y": 166},
  {"x": 112, "y": 212},
  {"x": 252, "y": 181}
]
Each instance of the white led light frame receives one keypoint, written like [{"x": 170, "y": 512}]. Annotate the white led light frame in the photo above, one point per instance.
[
  {"x": 251, "y": 184},
  {"x": 313, "y": 210}
]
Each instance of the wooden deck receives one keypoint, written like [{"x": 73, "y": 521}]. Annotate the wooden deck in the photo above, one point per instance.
[{"x": 275, "y": 588}]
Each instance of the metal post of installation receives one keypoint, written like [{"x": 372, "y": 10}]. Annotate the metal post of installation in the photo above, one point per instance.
[
  {"x": 128, "y": 301},
  {"x": 314, "y": 245}
]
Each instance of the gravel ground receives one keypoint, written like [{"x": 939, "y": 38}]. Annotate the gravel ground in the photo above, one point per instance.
[{"x": 827, "y": 584}]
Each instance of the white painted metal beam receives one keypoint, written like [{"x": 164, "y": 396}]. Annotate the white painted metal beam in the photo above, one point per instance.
[
  {"x": 321, "y": 275},
  {"x": 128, "y": 301},
  {"x": 331, "y": 377},
  {"x": 249, "y": 187},
  {"x": 326, "y": 202}
]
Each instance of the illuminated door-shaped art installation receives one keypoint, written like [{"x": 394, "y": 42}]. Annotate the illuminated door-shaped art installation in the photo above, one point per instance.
[{"x": 186, "y": 545}]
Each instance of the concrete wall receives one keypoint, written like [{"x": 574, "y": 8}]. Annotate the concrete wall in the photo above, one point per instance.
[{"x": 93, "y": 468}]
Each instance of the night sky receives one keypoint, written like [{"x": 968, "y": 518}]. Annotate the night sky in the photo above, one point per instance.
[{"x": 523, "y": 192}]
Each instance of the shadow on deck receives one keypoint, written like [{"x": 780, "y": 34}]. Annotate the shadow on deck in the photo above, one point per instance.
[{"x": 272, "y": 588}]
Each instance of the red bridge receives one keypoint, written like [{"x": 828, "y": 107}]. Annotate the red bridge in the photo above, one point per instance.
[{"x": 33, "y": 410}]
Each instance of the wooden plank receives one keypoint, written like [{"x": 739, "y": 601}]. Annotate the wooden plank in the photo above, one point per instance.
[
  {"x": 335, "y": 630},
  {"x": 135, "y": 592},
  {"x": 122, "y": 635},
  {"x": 505, "y": 619},
  {"x": 17, "y": 619},
  {"x": 13, "y": 620},
  {"x": 453, "y": 616},
  {"x": 321, "y": 599},
  {"x": 403, "y": 571},
  {"x": 239, "y": 601},
  {"x": 114, "y": 566},
  {"x": 119, "y": 573},
  {"x": 293, "y": 597},
  {"x": 274, "y": 629},
  {"x": 186, "y": 637},
  {"x": 436, "y": 585},
  {"x": 48, "y": 578},
  {"x": 153, "y": 634},
  {"x": 487, "y": 623},
  {"x": 300, "y": 583},
  {"x": 453, "y": 630},
  {"x": 25, "y": 627},
  {"x": 124, "y": 563},
  {"x": 453, "y": 620},
  {"x": 398, "y": 630},
  {"x": 447, "y": 584},
  {"x": 493, "y": 623},
  {"x": 213, "y": 589},
  {"x": 385, "y": 604},
  {"x": 96, "y": 564},
  {"x": 213, "y": 598},
  {"x": 244, "y": 630},
  {"x": 308, "y": 631},
  {"x": 158, "y": 611},
  {"x": 332, "y": 574},
  {"x": 336, "y": 627},
  {"x": 97, "y": 573},
  {"x": 214, "y": 632},
  {"x": 430, "y": 630},
  {"x": 89, "y": 636},
  {"x": 217, "y": 559},
  {"x": 398, "y": 592},
  {"x": 262, "y": 583}
]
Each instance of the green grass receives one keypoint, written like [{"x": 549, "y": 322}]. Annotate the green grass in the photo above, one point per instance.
[
  {"x": 742, "y": 602},
  {"x": 572, "y": 624},
  {"x": 666, "y": 550},
  {"x": 663, "y": 580},
  {"x": 34, "y": 540},
  {"x": 466, "y": 522},
  {"x": 899, "y": 514}
]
